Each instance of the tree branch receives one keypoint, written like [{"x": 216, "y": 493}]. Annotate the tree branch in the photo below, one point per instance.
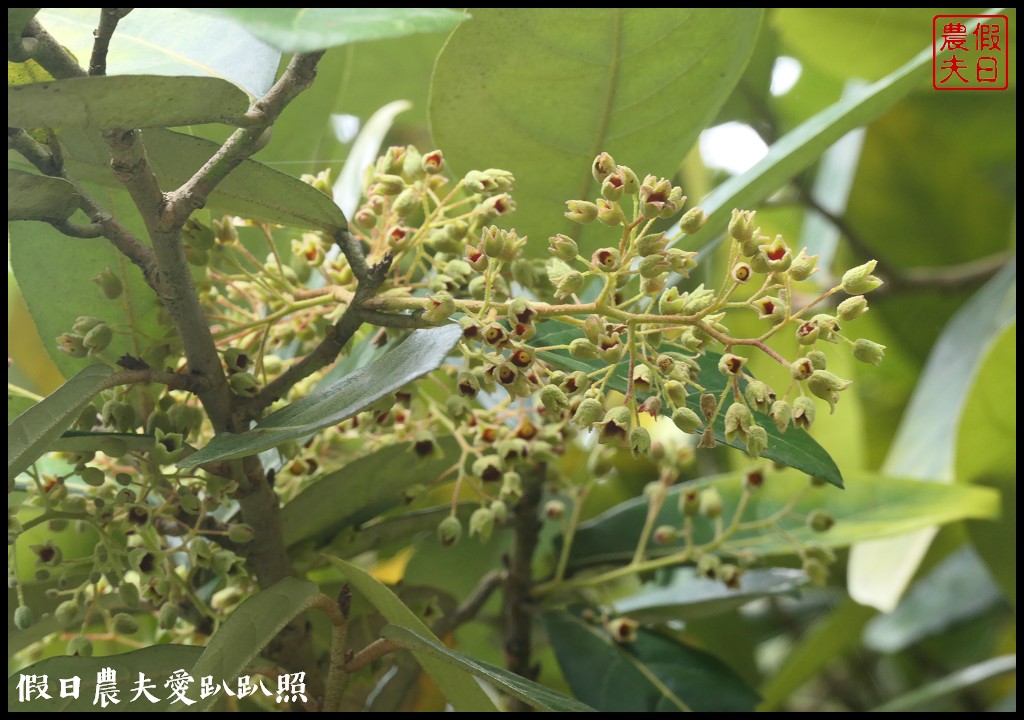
[
  {"x": 472, "y": 605},
  {"x": 109, "y": 18},
  {"x": 516, "y": 611},
  {"x": 174, "y": 381}
]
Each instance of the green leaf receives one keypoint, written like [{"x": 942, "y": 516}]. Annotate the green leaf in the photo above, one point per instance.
[
  {"x": 958, "y": 589},
  {"x": 89, "y": 441},
  {"x": 653, "y": 674},
  {"x": 686, "y": 596},
  {"x": 309, "y": 29},
  {"x": 395, "y": 529},
  {"x": 125, "y": 101},
  {"x": 879, "y": 572},
  {"x": 953, "y": 683},
  {"x": 801, "y": 147},
  {"x": 986, "y": 454},
  {"x": 362, "y": 490},
  {"x": 830, "y": 637},
  {"x": 794, "y": 448},
  {"x": 873, "y": 506},
  {"x": 252, "y": 190},
  {"x": 18, "y": 401},
  {"x": 249, "y": 628},
  {"x": 541, "y": 93},
  {"x": 31, "y": 433},
  {"x": 458, "y": 687},
  {"x": 38, "y": 197},
  {"x": 17, "y": 19},
  {"x": 42, "y": 259},
  {"x": 530, "y": 692},
  {"x": 156, "y": 663},
  {"x": 420, "y": 353},
  {"x": 170, "y": 41}
]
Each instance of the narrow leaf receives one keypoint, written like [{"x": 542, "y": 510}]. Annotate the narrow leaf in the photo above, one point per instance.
[
  {"x": 251, "y": 626},
  {"x": 530, "y": 692},
  {"x": 170, "y": 41},
  {"x": 17, "y": 19},
  {"x": 794, "y": 448},
  {"x": 873, "y": 506},
  {"x": 952, "y": 683},
  {"x": 38, "y": 197},
  {"x": 362, "y": 490},
  {"x": 652, "y": 674},
  {"x": 687, "y": 597},
  {"x": 125, "y": 101},
  {"x": 880, "y": 571},
  {"x": 802, "y": 146},
  {"x": 541, "y": 93},
  {"x": 458, "y": 687},
  {"x": 420, "y": 353},
  {"x": 156, "y": 663},
  {"x": 31, "y": 433},
  {"x": 308, "y": 29}
]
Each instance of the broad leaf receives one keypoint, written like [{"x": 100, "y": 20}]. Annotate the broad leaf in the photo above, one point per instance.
[
  {"x": 38, "y": 197},
  {"x": 872, "y": 506},
  {"x": 880, "y": 571},
  {"x": 156, "y": 663},
  {"x": 43, "y": 259},
  {"x": 308, "y": 29},
  {"x": 32, "y": 432},
  {"x": 170, "y": 41},
  {"x": 986, "y": 454},
  {"x": 458, "y": 687},
  {"x": 801, "y": 147},
  {"x": 652, "y": 674},
  {"x": 125, "y": 101},
  {"x": 686, "y": 596},
  {"x": 420, "y": 353},
  {"x": 794, "y": 448},
  {"x": 18, "y": 401},
  {"x": 530, "y": 692},
  {"x": 111, "y": 443},
  {"x": 362, "y": 490},
  {"x": 249, "y": 628},
  {"x": 541, "y": 93},
  {"x": 252, "y": 191}
]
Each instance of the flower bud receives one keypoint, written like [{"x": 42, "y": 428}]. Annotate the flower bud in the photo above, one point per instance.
[
  {"x": 803, "y": 412},
  {"x": 610, "y": 213},
  {"x": 554, "y": 399},
  {"x": 652, "y": 266},
  {"x": 630, "y": 182},
  {"x": 607, "y": 259},
  {"x": 387, "y": 184},
  {"x": 129, "y": 593},
  {"x": 772, "y": 257},
  {"x": 582, "y": 349},
  {"x": 67, "y": 613},
  {"x": 168, "y": 616},
  {"x": 79, "y": 646},
  {"x": 759, "y": 395},
  {"x": 623, "y": 630},
  {"x": 125, "y": 624},
  {"x": 689, "y": 501},
  {"x": 731, "y": 365},
  {"x": 98, "y": 338},
  {"x": 440, "y": 307},
  {"x": 639, "y": 441},
  {"x": 757, "y": 441},
  {"x": 859, "y": 280},
  {"x": 24, "y": 617},
  {"x": 109, "y": 283},
  {"x": 868, "y": 352},
  {"x": 568, "y": 284},
  {"x": 412, "y": 164},
  {"x": 692, "y": 221},
  {"x": 481, "y": 523},
  {"x": 671, "y": 303},
  {"x": 741, "y": 226},
  {"x": 753, "y": 481},
  {"x": 738, "y": 421},
  {"x": 711, "y": 504},
  {"x": 73, "y": 344},
  {"x": 433, "y": 162},
  {"x": 241, "y": 533},
  {"x": 604, "y": 165},
  {"x": 449, "y": 531},
  {"x": 487, "y": 468},
  {"x": 615, "y": 425},
  {"x": 820, "y": 521},
  {"x": 244, "y": 384},
  {"x": 816, "y": 571},
  {"x": 581, "y": 211},
  {"x": 803, "y": 266},
  {"x": 781, "y": 412},
  {"x": 407, "y": 202},
  {"x": 708, "y": 566},
  {"x": 554, "y": 509},
  {"x": 498, "y": 206},
  {"x": 708, "y": 405},
  {"x": 827, "y": 386},
  {"x": 801, "y": 369},
  {"x": 665, "y": 534},
  {"x": 225, "y": 231},
  {"x": 681, "y": 261},
  {"x": 236, "y": 360},
  {"x": 588, "y": 413},
  {"x": 611, "y": 189},
  {"x": 563, "y": 247},
  {"x": 686, "y": 419},
  {"x": 852, "y": 308},
  {"x": 730, "y": 576},
  {"x": 770, "y": 308}
]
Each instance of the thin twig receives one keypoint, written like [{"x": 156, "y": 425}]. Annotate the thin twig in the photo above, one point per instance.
[
  {"x": 472, "y": 605},
  {"x": 174, "y": 381},
  {"x": 374, "y": 651},
  {"x": 109, "y": 18}
]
